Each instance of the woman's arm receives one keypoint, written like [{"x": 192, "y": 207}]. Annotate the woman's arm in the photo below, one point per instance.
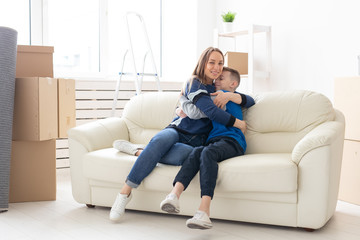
[
  {"x": 241, "y": 124},
  {"x": 189, "y": 109},
  {"x": 207, "y": 106},
  {"x": 222, "y": 98},
  {"x": 195, "y": 113},
  {"x": 247, "y": 101},
  {"x": 199, "y": 95}
]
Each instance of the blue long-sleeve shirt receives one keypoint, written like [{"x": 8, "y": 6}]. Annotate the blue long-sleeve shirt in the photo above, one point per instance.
[
  {"x": 199, "y": 94},
  {"x": 229, "y": 131}
]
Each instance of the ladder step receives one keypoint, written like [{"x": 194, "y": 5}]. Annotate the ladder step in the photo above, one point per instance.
[{"x": 139, "y": 74}]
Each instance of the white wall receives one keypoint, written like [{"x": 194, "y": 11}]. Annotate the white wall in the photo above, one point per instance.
[
  {"x": 179, "y": 39},
  {"x": 313, "y": 41},
  {"x": 205, "y": 24}
]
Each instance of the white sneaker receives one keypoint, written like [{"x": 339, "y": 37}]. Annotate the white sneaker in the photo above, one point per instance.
[
  {"x": 170, "y": 204},
  {"x": 127, "y": 147},
  {"x": 118, "y": 208},
  {"x": 200, "y": 221}
]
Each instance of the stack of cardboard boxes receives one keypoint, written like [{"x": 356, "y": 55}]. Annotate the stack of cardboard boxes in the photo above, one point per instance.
[{"x": 44, "y": 110}]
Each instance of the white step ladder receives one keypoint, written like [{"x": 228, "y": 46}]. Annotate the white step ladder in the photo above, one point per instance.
[{"x": 138, "y": 75}]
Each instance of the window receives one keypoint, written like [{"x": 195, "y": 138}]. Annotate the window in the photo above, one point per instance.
[
  {"x": 91, "y": 41},
  {"x": 73, "y": 30},
  {"x": 118, "y": 41},
  {"x": 90, "y": 36},
  {"x": 15, "y": 15}
]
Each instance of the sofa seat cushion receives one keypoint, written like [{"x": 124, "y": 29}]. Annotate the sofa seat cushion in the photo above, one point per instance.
[
  {"x": 108, "y": 165},
  {"x": 258, "y": 173},
  {"x": 248, "y": 173}
]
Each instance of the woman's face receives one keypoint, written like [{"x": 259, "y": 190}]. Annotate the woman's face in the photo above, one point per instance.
[{"x": 214, "y": 67}]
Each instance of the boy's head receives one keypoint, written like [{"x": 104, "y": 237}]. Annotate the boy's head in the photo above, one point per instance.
[{"x": 229, "y": 80}]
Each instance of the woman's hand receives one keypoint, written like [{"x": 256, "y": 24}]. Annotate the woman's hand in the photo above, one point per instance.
[
  {"x": 221, "y": 98},
  {"x": 241, "y": 125}
]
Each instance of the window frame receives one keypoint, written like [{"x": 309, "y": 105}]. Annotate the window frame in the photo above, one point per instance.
[{"x": 39, "y": 36}]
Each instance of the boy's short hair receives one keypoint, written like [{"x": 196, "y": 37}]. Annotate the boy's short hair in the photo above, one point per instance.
[{"x": 234, "y": 74}]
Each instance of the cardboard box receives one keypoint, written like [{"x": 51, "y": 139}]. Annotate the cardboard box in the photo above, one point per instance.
[
  {"x": 34, "y": 61},
  {"x": 66, "y": 106},
  {"x": 349, "y": 189},
  {"x": 33, "y": 171},
  {"x": 238, "y": 61},
  {"x": 346, "y": 95},
  {"x": 35, "y": 109}
]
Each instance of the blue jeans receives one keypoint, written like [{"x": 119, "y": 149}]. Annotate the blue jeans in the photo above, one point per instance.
[
  {"x": 205, "y": 159},
  {"x": 168, "y": 146}
]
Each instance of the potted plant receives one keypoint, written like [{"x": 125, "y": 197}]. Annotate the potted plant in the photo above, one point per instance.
[{"x": 228, "y": 19}]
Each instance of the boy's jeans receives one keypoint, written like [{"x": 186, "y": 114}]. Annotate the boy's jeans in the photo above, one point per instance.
[
  {"x": 205, "y": 159},
  {"x": 167, "y": 146}
]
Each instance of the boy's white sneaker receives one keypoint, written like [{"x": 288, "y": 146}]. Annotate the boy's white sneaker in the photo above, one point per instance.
[
  {"x": 170, "y": 204},
  {"x": 127, "y": 147},
  {"x": 118, "y": 208},
  {"x": 199, "y": 221}
]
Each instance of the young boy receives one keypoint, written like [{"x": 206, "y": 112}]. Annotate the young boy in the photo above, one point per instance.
[{"x": 223, "y": 143}]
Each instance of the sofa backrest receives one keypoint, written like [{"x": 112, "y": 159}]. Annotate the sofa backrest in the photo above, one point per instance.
[
  {"x": 275, "y": 123},
  {"x": 279, "y": 120},
  {"x": 148, "y": 113}
]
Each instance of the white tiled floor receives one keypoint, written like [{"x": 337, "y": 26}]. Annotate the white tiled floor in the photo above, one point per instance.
[{"x": 66, "y": 219}]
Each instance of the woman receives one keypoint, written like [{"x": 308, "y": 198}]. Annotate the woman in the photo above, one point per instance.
[{"x": 188, "y": 131}]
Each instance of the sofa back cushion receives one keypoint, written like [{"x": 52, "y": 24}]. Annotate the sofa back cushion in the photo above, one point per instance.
[
  {"x": 148, "y": 113},
  {"x": 275, "y": 123},
  {"x": 279, "y": 120}
]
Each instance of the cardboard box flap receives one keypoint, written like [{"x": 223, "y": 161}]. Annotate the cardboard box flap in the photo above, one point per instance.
[{"x": 35, "y": 49}]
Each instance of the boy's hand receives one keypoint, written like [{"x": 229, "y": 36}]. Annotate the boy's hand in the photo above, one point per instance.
[
  {"x": 180, "y": 112},
  {"x": 221, "y": 98}
]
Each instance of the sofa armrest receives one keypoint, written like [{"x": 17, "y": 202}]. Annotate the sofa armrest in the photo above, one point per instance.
[
  {"x": 100, "y": 134},
  {"x": 86, "y": 138},
  {"x": 319, "y": 155},
  {"x": 324, "y": 134}
]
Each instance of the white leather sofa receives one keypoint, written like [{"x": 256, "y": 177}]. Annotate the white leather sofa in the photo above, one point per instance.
[{"x": 289, "y": 175}]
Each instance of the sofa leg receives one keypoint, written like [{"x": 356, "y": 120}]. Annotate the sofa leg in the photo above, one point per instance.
[
  {"x": 309, "y": 229},
  {"x": 90, "y": 205}
]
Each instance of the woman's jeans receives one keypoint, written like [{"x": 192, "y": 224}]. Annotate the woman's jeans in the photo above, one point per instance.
[
  {"x": 205, "y": 159},
  {"x": 169, "y": 147}
]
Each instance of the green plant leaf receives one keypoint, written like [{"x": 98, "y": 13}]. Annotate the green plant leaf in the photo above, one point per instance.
[{"x": 228, "y": 17}]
